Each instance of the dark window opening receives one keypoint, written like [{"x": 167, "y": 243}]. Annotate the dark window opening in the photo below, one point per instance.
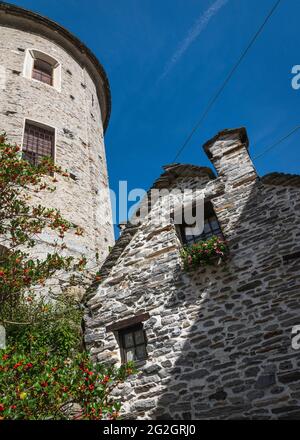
[
  {"x": 43, "y": 71},
  {"x": 38, "y": 143},
  {"x": 133, "y": 343},
  {"x": 191, "y": 234}
]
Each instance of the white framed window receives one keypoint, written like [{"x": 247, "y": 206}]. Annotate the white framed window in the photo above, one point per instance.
[{"x": 39, "y": 66}]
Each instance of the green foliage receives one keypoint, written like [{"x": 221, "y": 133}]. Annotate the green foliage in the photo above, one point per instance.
[
  {"x": 204, "y": 253},
  {"x": 43, "y": 372},
  {"x": 36, "y": 324},
  {"x": 21, "y": 222},
  {"x": 41, "y": 386}
]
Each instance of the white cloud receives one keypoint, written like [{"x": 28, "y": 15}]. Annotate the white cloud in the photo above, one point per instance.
[{"x": 193, "y": 34}]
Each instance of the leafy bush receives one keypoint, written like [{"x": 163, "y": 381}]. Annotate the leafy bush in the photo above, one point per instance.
[
  {"x": 204, "y": 253},
  {"x": 43, "y": 372},
  {"x": 41, "y": 386},
  {"x": 37, "y": 324},
  {"x": 21, "y": 223}
]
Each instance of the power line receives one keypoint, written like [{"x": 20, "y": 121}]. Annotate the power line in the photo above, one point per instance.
[
  {"x": 227, "y": 79},
  {"x": 271, "y": 147}
]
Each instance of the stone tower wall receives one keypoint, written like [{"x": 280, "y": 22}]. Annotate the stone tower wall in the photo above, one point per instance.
[{"x": 75, "y": 113}]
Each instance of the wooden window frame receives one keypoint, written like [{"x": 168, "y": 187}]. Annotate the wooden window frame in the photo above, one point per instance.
[
  {"x": 126, "y": 326},
  {"x": 127, "y": 331},
  {"x": 41, "y": 75}
]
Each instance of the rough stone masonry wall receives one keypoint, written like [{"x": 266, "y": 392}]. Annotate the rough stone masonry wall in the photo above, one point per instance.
[
  {"x": 75, "y": 113},
  {"x": 219, "y": 338}
]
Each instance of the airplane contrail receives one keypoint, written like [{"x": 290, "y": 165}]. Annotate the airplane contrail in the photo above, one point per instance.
[{"x": 193, "y": 34}]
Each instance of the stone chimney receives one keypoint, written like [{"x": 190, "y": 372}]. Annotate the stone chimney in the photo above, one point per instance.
[{"x": 228, "y": 152}]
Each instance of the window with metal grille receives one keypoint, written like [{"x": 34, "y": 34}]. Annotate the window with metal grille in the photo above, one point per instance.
[
  {"x": 38, "y": 143},
  {"x": 191, "y": 234},
  {"x": 133, "y": 343},
  {"x": 42, "y": 71}
]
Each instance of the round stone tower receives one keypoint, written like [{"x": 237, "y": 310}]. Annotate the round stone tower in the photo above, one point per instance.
[{"x": 55, "y": 101}]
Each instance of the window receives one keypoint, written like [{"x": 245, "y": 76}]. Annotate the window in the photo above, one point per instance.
[
  {"x": 133, "y": 343},
  {"x": 131, "y": 337},
  {"x": 42, "y": 67},
  {"x": 42, "y": 71},
  {"x": 191, "y": 234},
  {"x": 38, "y": 142}
]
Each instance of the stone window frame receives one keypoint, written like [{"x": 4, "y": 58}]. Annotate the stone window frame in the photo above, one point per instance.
[
  {"x": 34, "y": 54},
  {"x": 209, "y": 215},
  {"x": 43, "y": 126}
]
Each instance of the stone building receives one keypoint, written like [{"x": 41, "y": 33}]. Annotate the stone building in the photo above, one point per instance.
[
  {"x": 214, "y": 342},
  {"x": 55, "y": 101},
  {"x": 211, "y": 343}
]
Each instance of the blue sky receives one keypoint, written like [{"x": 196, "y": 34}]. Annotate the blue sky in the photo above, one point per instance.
[{"x": 166, "y": 58}]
